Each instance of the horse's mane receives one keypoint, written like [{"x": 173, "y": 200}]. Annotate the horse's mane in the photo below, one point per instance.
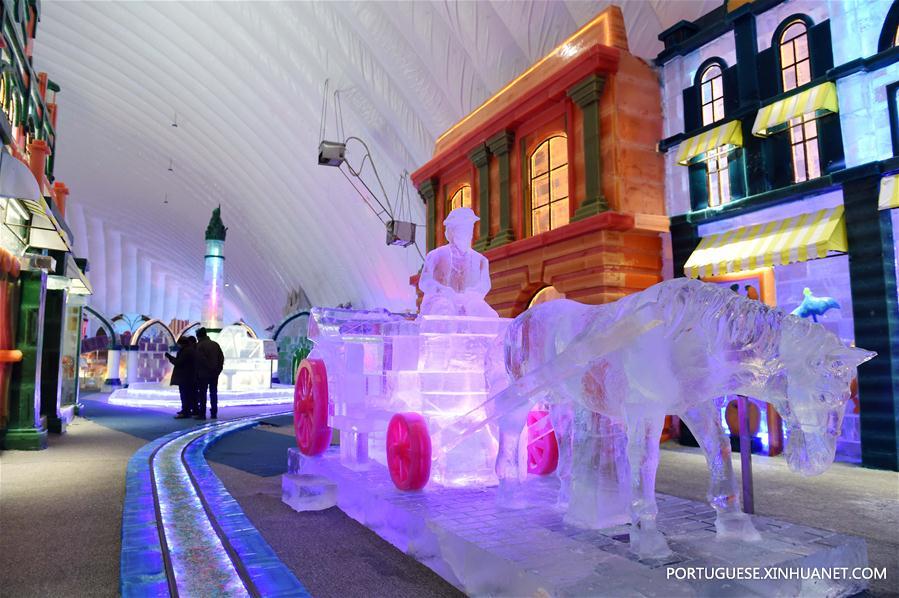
[{"x": 731, "y": 321}]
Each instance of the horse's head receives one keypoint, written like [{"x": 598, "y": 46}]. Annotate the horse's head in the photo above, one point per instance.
[{"x": 810, "y": 391}]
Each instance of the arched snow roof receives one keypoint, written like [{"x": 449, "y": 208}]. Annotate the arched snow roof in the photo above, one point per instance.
[{"x": 245, "y": 80}]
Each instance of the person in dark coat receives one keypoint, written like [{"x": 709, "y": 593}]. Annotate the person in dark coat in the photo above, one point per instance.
[
  {"x": 210, "y": 364},
  {"x": 184, "y": 376}
]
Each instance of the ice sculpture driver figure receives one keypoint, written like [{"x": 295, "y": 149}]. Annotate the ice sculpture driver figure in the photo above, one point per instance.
[{"x": 455, "y": 277}]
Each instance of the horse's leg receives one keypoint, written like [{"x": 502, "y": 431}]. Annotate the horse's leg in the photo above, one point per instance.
[
  {"x": 643, "y": 434},
  {"x": 562, "y": 416},
  {"x": 704, "y": 421},
  {"x": 511, "y": 423},
  {"x": 600, "y": 479}
]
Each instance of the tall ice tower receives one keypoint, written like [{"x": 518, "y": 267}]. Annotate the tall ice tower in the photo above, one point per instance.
[{"x": 213, "y": 277}]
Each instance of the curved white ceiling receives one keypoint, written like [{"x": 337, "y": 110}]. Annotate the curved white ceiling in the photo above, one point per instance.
[{"x": 245, "y": 79}]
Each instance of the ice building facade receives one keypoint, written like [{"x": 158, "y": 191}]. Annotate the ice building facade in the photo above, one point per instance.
[{"x": 780, "y": 129}]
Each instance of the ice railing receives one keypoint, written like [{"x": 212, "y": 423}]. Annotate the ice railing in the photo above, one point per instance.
[{"x": 334, "y": 323}]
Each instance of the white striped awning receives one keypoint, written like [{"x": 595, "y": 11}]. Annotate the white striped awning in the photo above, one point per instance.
[
  {"x": 818, "y": 100},
  {"x": 693, "y": 149},
  {"x": 17, "y": 184},
  {"x": 45, "y": 230},
  {"x": 889, "y": 193},
  {"x": 797, "y": 239}
]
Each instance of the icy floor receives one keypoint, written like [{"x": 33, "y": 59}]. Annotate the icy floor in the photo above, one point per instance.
[{"x": 484, "y": 550}]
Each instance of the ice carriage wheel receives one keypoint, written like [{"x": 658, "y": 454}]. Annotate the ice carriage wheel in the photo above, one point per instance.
[
  {"x": 408, "y": 451},
  {"x": 310, "y": 408},
  {"x": 543, "y": 449}
]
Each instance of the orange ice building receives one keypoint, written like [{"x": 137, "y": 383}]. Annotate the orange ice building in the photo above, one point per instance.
[{"x": 562, "y": 168}]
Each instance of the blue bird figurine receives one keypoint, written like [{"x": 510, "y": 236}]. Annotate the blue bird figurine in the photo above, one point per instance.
[{"x": 813, "y": 307}]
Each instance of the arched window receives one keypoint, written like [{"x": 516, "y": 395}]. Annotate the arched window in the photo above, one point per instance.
[
  {"x": 461, "y": 198},
  {"x": 889, "y": 34},
  {"x": 795, "y": 64},
  {"x": 8, "y": 98},
  {"x": 546, "y": 294},
  {"x": 712, "y": 94},
  {"x": 549, "y": 185}
]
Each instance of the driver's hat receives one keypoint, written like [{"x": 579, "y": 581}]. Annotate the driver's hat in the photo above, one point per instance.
[{"x": 461, "y": 215}]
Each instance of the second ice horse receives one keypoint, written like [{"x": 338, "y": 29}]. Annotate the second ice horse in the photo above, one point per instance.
[{"x": 673, "y": 349}]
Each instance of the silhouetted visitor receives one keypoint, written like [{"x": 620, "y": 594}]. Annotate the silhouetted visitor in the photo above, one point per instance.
[
  {"x": 184, "y": 376},
  {"x": 210, "y": 364}
]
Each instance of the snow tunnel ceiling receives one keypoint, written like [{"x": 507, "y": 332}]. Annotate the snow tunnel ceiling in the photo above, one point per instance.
[{"x": 244, "y": 82}]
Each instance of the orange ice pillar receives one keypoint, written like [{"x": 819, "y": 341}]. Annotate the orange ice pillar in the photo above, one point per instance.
[
  {"x": 42, "y": 79},
  {"x": 60, "y": 192},
  {"x": 38, "y": 151}
]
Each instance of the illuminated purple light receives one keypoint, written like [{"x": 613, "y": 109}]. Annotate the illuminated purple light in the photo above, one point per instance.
[
  {"x": 128, "y": 397},
  {"x": 213, "y": 280}
]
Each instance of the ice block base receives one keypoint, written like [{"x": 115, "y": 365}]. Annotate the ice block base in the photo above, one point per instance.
[
  {"x": 483, "y": 550},
  {"x": 303, "y": 492}
]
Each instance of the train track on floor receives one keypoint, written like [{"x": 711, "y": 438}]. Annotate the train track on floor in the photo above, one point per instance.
[{"x": 183, "y": 535}]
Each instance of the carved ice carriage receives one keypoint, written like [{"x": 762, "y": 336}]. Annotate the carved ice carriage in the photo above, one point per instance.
[{"x": 392, "y": 383}]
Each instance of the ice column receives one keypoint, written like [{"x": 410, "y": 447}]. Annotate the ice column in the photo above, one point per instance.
[
  {"x": 113, "y": 360},
  {"x": 213, "y": 277}
]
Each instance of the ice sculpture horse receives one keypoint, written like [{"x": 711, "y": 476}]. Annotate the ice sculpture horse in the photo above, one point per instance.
[{"x": 673, "y": 349}]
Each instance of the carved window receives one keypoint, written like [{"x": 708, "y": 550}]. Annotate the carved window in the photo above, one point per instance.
[
  {"x": 804, "y": 148},
  {"x": 795, "y": 63},
  {"x": 712, "y": 94},
  {"x": 549, "y": 185},
  {"x": 460, "y": 198},
  {"x": 718, "y": 177},
  {"x": 8, "y": 99},
  {"x": 795, "y": 67}
]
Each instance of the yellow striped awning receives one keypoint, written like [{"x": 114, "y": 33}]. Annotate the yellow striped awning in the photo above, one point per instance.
[
  {"x": 820, "y": 100},
  {"x": 889, "y": 193},
  {"x": 797, "y": 239},
  {"x": 728, "y": 134}
]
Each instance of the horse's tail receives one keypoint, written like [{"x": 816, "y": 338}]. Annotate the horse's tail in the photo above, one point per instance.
[{"x": 514, "y": 347}]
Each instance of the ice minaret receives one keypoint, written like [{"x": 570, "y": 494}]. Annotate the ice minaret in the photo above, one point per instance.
[{"x": 213, "y": 277}]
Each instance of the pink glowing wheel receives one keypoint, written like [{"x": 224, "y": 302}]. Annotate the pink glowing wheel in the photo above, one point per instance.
[
  {"x": 543, "y": 450},
  {"x": 408, "y": 451},
  {"x": 310, "y": 408}
]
